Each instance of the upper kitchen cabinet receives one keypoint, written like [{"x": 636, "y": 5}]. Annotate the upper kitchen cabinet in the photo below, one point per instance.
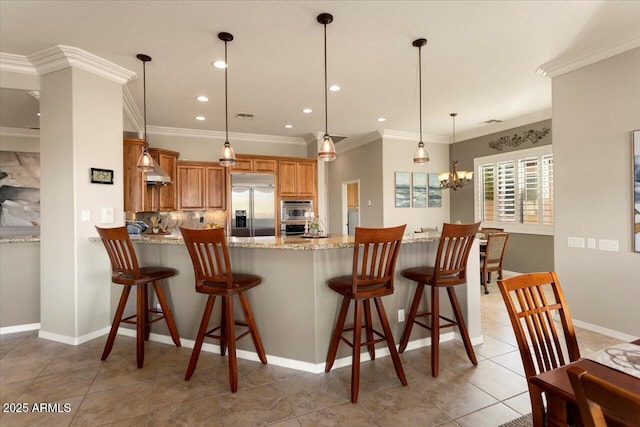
[
  {"x": 297, "y": 178},
  {"x": 137, "y": 196},
  {"x": 165, "y": 193},
  {"x": 254, "y": 164},
  {"x": 200, "y": 185}
]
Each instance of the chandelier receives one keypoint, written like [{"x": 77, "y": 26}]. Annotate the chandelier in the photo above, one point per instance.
[{"x": 454, "y": 179}]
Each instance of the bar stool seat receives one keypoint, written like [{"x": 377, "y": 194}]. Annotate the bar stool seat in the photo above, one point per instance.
[
  {"x": 126, "y": 271},
  {"x": 374, "y": 259},
  {"x": 449, "y": 270},
  {"x": 213, "y": 276}
]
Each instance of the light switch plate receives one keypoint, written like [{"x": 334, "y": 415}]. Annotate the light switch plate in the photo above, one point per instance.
[
  {"x": 107, "y": 216},
  {"x": 86, "y": 215},
  {"x": 575, "y": 242},
  {"x": 591, "y": 243}
]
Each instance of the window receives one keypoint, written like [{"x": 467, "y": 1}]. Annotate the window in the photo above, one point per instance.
[{"x": 514, "y": 190}]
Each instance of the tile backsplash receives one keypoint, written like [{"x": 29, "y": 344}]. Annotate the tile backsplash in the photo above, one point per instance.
[{"x": 187, "y": 219}]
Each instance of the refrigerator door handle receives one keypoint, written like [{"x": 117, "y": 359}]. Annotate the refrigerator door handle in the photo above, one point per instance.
[{"x": 252, "y": 231}]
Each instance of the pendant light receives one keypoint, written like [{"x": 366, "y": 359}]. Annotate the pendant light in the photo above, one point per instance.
[
  {"x": 145, "y": 161},
  {"x": 454, "y": 179},
  {"x": 327, "y": 152},
  {"x": 227, "y": 156},
  {"x": 421, "y": 156}
]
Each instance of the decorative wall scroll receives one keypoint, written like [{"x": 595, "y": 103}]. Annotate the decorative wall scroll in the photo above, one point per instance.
[{"x": 532, "y": 136}]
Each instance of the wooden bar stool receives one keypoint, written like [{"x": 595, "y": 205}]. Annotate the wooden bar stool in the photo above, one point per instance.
[
  {"x": 210, "y": 257},
  {"x": 126, "y": 271},
  {"x": 374, "y": 260},
  {"x": 450, "y": 270}
]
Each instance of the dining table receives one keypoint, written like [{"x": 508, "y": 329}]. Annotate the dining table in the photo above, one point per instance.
[{"x": 562, "y": 408}]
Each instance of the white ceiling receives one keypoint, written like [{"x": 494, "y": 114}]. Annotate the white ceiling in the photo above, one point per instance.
[{"x": 480, "y": 61}]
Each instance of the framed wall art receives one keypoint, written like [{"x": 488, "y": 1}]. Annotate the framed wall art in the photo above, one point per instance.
[
  {"x": 636, "y": 190},
  {"x": 419, "y": 190},
  {"x": 403, "y": 189},
  {"x": 435, "y": 192},
  {"x": 101, "y": 176}
]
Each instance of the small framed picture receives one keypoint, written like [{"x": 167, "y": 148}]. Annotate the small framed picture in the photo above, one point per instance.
[
  {"x": 101, "y": 176},
  {"x": 403, "y": 189}
]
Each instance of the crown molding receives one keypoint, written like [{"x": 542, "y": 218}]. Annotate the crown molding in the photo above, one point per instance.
[
  {"x": 560, "y": 66},
  {"x": 131, "y": 110},
  {"x": 20, "y": 132},
  {"x": 527, "y": 119},
  {"x": 214, "y": 134},
  {"x": 16, "y": 64},
  {"x": 413, "y": 136},
  {"x": 349, "y": 144},
  {"x": 59, "y": 57}
]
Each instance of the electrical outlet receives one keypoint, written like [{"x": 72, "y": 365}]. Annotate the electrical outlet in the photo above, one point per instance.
[
  {"x": 159, "y": 308},
  {"x": 400, "y": 315},
  {"x": 591, "y": 243}
]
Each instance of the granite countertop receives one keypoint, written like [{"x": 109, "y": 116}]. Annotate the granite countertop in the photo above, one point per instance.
[{"x": 291, "y": 243}]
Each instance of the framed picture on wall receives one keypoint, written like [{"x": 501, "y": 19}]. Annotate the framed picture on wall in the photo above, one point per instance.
[
  {"x": 435, "y": 192},
  {"x": 419, "y": 190},
  {"x": 636, "y": 189},
  {"x": 403, "y": 189}
]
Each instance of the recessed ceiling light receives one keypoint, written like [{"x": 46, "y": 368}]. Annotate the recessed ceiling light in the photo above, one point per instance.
[
  {"x": 219, "y": 64},
  {"x": 202, "y": 98},
  {"x": 334, "y": 88},
  {"x": 288, "y": 126},
  {"x": 201, "y": 118},
  {"x": 307, "y": 110},
  {"x": 381, "y": 119}
]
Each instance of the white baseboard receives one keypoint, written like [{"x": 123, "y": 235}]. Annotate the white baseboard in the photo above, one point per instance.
[
  {"x": 604, "y": 331},
  {"x": 73, "y": 340},
  {"x": 19, "y": 328}
]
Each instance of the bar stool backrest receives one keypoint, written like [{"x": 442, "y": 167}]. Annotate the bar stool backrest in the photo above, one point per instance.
[
  {"x": 374, "y": 257},
  {"x": 453, "y": 252},
  {"x": 124, "y": 264},
  {"x": 209, "y": 255}
]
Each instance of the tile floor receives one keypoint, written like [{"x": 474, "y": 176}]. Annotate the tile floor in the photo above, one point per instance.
[{"x": 115, "y": 393}]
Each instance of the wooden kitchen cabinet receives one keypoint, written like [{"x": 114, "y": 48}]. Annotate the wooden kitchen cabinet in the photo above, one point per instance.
[
  {"x": 140, "y": 196},
  {"x": 164, "y": 196},
  {"x": 297, "y": 178},
  {"x": 200, "y": 186},
  {"x": 254, "y": 164}
]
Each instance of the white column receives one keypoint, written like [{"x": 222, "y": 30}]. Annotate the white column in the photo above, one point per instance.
[{"x": 81, "y": 128}]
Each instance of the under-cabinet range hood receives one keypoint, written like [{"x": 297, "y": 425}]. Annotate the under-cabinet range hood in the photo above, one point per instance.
[{"x": 158, "y": 176}]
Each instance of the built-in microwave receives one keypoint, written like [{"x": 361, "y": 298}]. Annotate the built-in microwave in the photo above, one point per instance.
[{"x": 296, "y": 210}]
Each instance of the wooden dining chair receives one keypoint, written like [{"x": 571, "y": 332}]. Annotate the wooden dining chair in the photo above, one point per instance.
[
  {"x": 125, "y": 271},
  {"x": 374, "y": 259},
  {"x": 492, "y": 258},
  {"x": 594, "y": 394},
  {"x": 214, "y": 277},
  {"x": 533, "y": 303},
  {"x": 450, "y": 270}
]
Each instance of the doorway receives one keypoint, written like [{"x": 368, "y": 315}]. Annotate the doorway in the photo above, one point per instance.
[{"x": 350, "y": 206}]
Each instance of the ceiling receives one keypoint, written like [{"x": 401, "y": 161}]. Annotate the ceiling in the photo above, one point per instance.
[{"x": 480, "y": 60}]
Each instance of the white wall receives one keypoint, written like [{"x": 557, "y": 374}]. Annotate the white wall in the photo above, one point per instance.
[
  {"x": 398, "y": 157},
  {"x": 25, "y": 144},
  {"x": 595, "y": 109}
]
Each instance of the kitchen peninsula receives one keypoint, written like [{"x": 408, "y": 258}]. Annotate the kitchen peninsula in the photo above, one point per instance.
[{"x": 294, "y": 308}]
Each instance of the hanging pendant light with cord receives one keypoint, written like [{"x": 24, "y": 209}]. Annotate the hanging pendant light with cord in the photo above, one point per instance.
[
  {"x": 421, "y": 156},
  {"x": 227, "y": 156},
  {"x": 327, "y": 152},
  {"x": 454, "y": 179},
  {"x": 145, "y": 161}
]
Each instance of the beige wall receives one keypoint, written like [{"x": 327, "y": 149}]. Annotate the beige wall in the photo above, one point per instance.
[
  {"x": 207, "y": 149},
  {"x": 595, "y": 109},
  {"x": 525, "y": 252},
  {"x": 398, "y": 157},
  {"x": 365, "y": 164},
  {"x": 19, "y": 284},
  {"x": 27, "y": 144}
]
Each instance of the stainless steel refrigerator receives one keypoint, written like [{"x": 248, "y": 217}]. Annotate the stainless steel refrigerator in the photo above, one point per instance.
[{"x": 253, "y": 211}]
